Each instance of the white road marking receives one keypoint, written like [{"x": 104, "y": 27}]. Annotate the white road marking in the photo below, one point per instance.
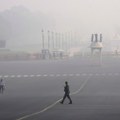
[
  {"x": 32, "y": 75},
  {"x": 45, "y": 75},
  {"x": 52, "y": 105},
  {"x": 6, "y": 76},
  {"x": 81, "y": 87},
  {"x": 38, "y": 75},
  {"x": 64, "y": 75},
  {"x": 18, "y": 76}
]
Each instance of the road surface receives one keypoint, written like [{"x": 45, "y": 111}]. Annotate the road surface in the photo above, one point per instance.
[{"x": 34, "y": 89}]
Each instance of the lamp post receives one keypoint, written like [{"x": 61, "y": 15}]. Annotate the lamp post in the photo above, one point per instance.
[
  {"x": 59, "y": 40},
  {"x": 43, "y": 44},
  {"x": 62, "y": 41},
  {"x": 56, "y": 40},
  {"x": 48, "y": 39},
  {"x": 53, "y": 40},
  {"x": 66, "y": 41}
]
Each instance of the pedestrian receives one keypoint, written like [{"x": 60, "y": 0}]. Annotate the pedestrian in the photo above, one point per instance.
[
  {"x": 2, "y": 86},
  {"x": 67, "y": 93}
]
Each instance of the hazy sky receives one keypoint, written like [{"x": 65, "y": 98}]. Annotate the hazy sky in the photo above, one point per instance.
[
  {"x": 87, "y": 14},
  {"x": 83, "y": 16}
]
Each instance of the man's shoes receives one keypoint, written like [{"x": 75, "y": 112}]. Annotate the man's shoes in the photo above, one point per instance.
[
  {"x": 70, "y": 102},
  {"x": 61, "y": 102}
]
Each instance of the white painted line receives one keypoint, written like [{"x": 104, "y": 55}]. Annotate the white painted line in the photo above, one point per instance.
[
  {"x": 81, "y": 87},
  {"x": 18, "y": 76},
  {"x": 38, "y": 75},
  {"x": 64, "y": 75},
  {"x": 45, "y": 109},
  {"x": 32, "y": 75},
  {"x": 6, "y": 76},
  {"x": 52, "y": 105}
]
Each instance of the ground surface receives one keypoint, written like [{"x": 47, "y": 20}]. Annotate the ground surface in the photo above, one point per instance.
[{"x": 33, "y": 89}]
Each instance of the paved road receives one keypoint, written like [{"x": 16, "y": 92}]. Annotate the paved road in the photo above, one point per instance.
[{"x": 32, "y": 89}]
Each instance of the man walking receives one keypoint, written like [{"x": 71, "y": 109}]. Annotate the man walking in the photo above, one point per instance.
[
  {"x": 2, "y": 86},
  {"x": 67, "y": 93}
]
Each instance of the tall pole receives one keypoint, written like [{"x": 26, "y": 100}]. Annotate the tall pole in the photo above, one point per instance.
[
  {"x": 69, "y": 38},
  {"x": 92, "y": 37},
  {"x": 62, "y": 42},
  {"x": 53, "y": 40},
  {"x": 48, "y": 39},
  {"x": 59, "y": 40},
  {"x": 66, "y": 41},
  {"x": 100, "y": 37},
  {"x": 56, "y": 40},
  {"x": 43, "y": 44}
]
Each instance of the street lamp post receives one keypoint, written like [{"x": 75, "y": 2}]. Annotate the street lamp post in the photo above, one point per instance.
[
  {"x": 43, "y": 44},
  {"x": 53, "y": 39},
  {"x": 62, "y": 41},
  {"x": 59, "y": 40},
  {"x": 48, "y": 39},
  {"x": 56, "y": 39}
]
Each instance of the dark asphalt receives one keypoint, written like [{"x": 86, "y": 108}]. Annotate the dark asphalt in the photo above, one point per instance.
[{"x": 99, "y": 98}]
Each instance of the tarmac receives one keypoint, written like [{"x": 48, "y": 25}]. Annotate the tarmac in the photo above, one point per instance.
[{"x": 35, "y": 88}]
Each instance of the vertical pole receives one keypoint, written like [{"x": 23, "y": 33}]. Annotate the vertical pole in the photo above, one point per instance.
[
  {"x": 100, "y": 56},
  {"x": 48, "y": 39},
  {"x": 59, "y": 40},
  {"x": 43, "y": 44},
  {"x": 92, "y": 37},
  {"x": 100, "y": 37},
  {"x": 56, "y": 40},
  {"x": 66, "y": 41},
  {"x": 53, "y": 40},
  {"x": 69, "y": 38},
  {"x": 96, "y": 37},
  {"x": 62, "y": 44}
]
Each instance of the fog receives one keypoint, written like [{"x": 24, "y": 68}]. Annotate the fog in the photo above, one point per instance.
[{"x": 21, "y": 21}]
